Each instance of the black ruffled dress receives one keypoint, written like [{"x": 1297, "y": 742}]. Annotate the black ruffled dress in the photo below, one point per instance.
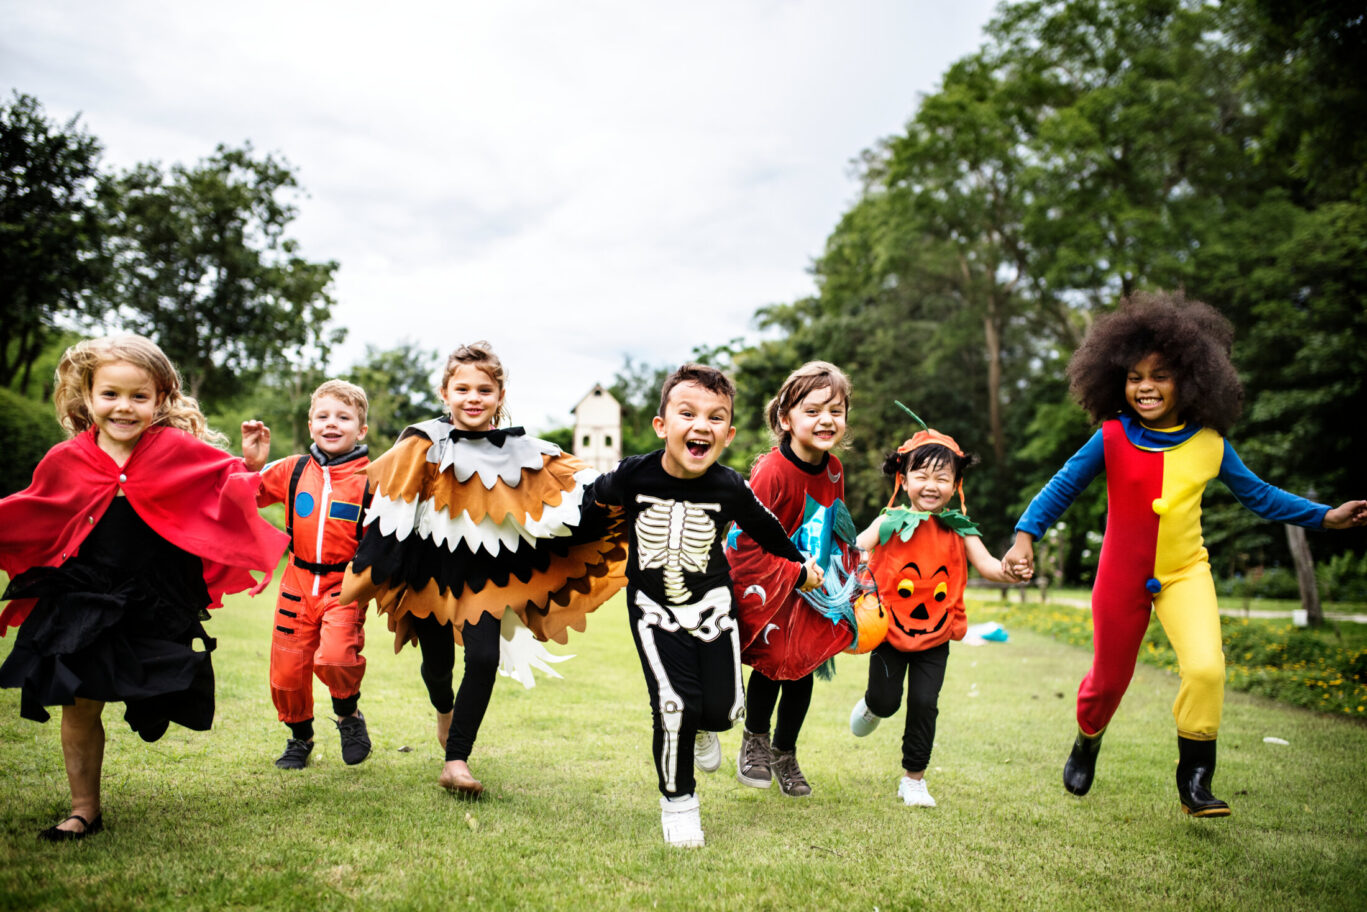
[{"x": 118, "y": 622}]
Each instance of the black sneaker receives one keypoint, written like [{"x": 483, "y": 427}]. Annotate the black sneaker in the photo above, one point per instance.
[
  {"x": 296, "y": 755},
  {"x": 355, "y": 739}
]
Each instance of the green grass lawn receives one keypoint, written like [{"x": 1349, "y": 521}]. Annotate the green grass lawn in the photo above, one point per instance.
[{"x": 571, "y": 819}]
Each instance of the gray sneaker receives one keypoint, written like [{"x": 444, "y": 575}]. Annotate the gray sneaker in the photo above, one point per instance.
[
  {"x": 752, "y": 764},
  {"x": 789, "y": 775}
]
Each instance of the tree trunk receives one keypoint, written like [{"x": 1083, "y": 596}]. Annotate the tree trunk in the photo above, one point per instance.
[
  {"x": 1305, "y": 575},
  {"x": 994, "y": 383}
]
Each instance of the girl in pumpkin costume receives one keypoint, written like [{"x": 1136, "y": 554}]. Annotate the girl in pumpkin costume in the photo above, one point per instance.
[
  {"x": 475, "y": 536},
  {"x": 919, "y": 559},
  {"x": 1157, "y": 376}
]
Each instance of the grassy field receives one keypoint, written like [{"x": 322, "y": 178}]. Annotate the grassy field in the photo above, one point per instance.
[{"x": 571, "y": 821}]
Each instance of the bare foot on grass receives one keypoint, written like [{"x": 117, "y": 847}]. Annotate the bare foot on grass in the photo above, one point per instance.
[{"x": 456, "y": 779}]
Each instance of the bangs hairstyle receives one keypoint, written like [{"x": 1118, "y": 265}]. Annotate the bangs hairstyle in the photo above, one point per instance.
[
  {"x": 344, "y": 392},
  {"x": 930, "y": 454},
  {"x": 481, "y": 355},
  {"x": 76, "y": 375},
  {"x": 709, "y": 378},
  {"x": 1193, "y": 340},
  {"x": 812, "y": 376}
]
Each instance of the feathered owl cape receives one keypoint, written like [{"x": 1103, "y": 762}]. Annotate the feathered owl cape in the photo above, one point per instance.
[{"x": 468, "y": 522}]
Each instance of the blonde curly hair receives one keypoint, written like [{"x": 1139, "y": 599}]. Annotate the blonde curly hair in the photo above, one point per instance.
[{"x": 76, "y": 373}]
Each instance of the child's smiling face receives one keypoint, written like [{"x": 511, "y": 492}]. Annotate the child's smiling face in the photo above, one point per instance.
[
  {"x": 930, "y": 485},
  {"x": 335, "y": 425},
  {"x": 123, "y": 402},
  {"x": 815, "y": 424},
  {"x": 1151, "y": 391},
  {"x": 472, "y": 397},
  {"x": 696, "y": 427}
]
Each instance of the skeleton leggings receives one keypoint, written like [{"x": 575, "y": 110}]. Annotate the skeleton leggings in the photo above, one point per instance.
[{"x": 694, "y": 679}]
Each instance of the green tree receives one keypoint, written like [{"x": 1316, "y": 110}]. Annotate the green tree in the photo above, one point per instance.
[
  {"x": 401, "y": 387},
  {"x": 204, "y": 267},
  {"x": 50, "y": 231},
  {"x": 637, "y": 388}
]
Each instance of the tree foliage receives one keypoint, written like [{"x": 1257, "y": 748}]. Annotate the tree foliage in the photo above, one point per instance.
[
  {"x": 202, "y": 265},
  {"x": 401, "y": 385},
  {"x": 51, "y": 235},
  {"x": 1089, "y": 149}
]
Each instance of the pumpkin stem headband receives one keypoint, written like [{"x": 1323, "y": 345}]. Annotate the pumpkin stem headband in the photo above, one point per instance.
[{"x": 927, "y": 435}]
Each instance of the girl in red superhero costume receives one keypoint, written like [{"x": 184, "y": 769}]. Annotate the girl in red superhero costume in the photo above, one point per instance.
[
  {"x": 787, "y": 634},
  {"x": 1156, "y": 375},
  {"x": 919, "y": 559},
  {"x": 129, "y": 531},
  {"x": 474, "y": 532}
]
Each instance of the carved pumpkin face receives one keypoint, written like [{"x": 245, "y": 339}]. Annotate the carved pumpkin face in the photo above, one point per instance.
[{"x": 921, "y": 583}]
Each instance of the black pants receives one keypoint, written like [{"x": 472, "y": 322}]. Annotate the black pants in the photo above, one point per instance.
[
  {"x": 694, "y": 684},
  {"x": 438, "y": 647},
  {"x": 760, "y": 698},
  {"x": 925, "y": 675}
]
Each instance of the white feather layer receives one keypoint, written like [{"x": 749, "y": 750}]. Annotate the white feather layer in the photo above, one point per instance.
[{"x": 519, "y": 653}]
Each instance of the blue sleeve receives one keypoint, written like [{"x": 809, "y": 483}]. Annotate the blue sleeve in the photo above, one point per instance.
[
  {"x": 1067, "y": 483},
  {"x": 1268, "y": 501}
]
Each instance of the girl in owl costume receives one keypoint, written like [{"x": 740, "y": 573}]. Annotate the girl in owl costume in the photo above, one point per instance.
[{"x": 475, "y": 537}]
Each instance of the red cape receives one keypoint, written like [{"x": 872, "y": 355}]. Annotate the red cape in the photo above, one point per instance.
[{"x": 195, "y": 496}]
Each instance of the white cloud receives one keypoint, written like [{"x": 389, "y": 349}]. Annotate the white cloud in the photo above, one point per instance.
[{"x": 573, "y": 182}]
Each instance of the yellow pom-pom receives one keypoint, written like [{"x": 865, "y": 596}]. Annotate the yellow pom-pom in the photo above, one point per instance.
[{"x": 1160, "y": 505}]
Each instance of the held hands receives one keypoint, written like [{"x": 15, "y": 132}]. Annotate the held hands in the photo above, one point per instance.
[
  {"x": 1019, "y": 561},
  {"x": 814, "y": 576},
  {"x": 256, "y": 444},
  {"x": 1347, "y": 516}
]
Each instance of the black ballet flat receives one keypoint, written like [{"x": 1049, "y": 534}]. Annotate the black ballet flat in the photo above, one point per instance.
[{"x": 52, "y": 834}]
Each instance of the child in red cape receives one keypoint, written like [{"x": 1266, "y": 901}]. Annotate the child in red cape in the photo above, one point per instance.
[{"x": 129, "y": 531}]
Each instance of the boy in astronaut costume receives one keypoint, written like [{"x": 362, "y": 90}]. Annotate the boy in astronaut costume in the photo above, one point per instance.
[{"x": 324, "y": 492}]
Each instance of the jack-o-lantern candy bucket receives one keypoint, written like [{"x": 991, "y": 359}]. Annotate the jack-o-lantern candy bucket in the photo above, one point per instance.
[{"x": 870, "y": 618}]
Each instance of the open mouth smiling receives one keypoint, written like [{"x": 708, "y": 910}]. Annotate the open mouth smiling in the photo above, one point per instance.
[{"x": 698, "y": 448}]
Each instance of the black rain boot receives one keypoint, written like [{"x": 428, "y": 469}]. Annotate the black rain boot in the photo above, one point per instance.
[
  {"x": 1080, "y": 769},
  {"x": 1195, "y": 769}
]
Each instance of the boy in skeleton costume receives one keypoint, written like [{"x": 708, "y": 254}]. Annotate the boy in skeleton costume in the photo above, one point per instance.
[{"x": 677, "y": 503}]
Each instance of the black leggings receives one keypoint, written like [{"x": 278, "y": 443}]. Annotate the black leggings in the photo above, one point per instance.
[
  {"x": 925, "y": 675},
  {"x": 763, "y": 694},
  {"x": 438, "y": 645}
]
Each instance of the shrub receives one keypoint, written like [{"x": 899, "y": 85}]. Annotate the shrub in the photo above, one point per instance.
[{"x": 29, "y": 429}]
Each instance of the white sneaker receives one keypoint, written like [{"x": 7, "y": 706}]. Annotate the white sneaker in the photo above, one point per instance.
[
  {"x": 862, "y": 720},
  {"x": 914, "y": 793},
  {"x": 707, "y": 751},
  {"x": 681, "y": 820}
]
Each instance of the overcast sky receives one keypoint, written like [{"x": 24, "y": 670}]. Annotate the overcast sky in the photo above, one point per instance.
[{"x": 573, "y": 181}]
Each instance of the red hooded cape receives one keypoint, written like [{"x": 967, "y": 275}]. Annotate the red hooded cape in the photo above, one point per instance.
[{"x": 195, "y": 496}]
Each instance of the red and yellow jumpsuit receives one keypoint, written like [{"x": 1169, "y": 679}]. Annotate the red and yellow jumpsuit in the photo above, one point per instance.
[
  {"x": 1153, "y": 556},
  {"x": 314, "y": 632}
]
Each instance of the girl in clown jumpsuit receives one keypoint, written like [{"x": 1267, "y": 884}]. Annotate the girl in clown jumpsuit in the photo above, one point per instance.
[{"x": 1158, "y": 378}]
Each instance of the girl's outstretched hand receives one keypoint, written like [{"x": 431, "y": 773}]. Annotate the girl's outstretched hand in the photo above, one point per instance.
[
  {"x": 1019, "y": 561},
  {"x": 256, "y": 444},
  {"x": 1347, "y": 515}
]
